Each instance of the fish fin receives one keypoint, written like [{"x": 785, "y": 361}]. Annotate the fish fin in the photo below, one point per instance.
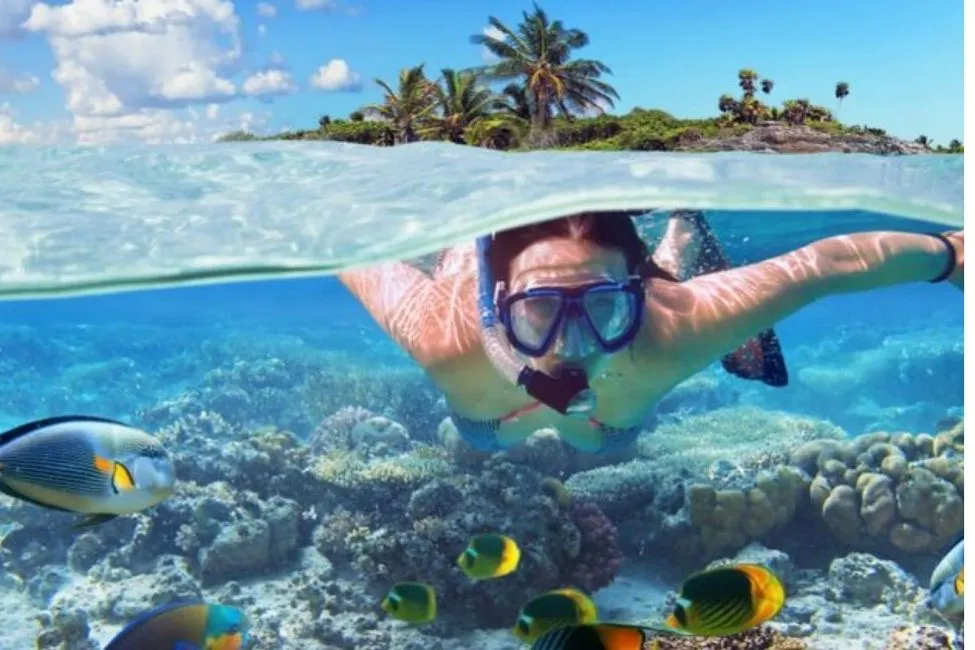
[
  {"x": 510, "y": 558},
  {"x": 11, "y": 492},
  {"x": 28, "y": 427},
  {"x": 621, "y": 636},
  {"x": 90, "y": 521}
]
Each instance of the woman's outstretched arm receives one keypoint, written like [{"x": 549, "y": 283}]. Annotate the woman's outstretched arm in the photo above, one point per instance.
[
  {"x": 429, "y": 318},
  {"x": 711, "y": 315}
]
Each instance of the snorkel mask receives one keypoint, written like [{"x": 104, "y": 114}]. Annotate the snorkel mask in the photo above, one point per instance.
[{"x": 529, "y": 322}]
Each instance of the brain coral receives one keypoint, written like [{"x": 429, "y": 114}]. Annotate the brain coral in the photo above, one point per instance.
[{"x": 901, "y": 489}]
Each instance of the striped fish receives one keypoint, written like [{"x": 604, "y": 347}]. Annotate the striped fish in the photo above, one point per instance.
[
  {"x": 727, "y": 600},
  {"x": 553, "y": 609},
  {"x": 601, "y": 636},
  {"x": 84, "y": 464}
]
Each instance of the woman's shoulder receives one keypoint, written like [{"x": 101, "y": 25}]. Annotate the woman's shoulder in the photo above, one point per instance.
[{"x": 456, "y": 262}]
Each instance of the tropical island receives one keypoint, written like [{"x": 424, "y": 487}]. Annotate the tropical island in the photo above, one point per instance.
[{"x": 539, "y": 95}]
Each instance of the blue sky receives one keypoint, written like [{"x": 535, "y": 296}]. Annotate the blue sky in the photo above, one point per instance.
[{"x": 160, "y": 74}]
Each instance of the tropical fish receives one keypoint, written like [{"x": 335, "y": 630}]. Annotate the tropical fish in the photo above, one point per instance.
[
  {"x": 946, "y": 593},
  {"x": 553, "y": 609},
  {"x": 413, "y": 602},
  {"x": 489, "y": 556},
  {"x": 89, "y": 465},
  {"x": 727, "y": 600},
  {"x": 601, "y": 636},
  {"x": 186, "y": 625}
]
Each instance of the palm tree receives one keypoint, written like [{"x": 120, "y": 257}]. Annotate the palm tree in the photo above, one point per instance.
[
  {"x": 767, "y": 86},
  {"x": 538, "y": 53},
  {"x": 746, "y": 81},
  {"x": 842, "y": 90},
  {"x": 462, "y": 101},
  {"x": 408, "y": 107},
  {"x": 727, "y": 104}
]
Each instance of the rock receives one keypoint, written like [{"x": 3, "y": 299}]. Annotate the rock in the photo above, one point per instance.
[
  {"x": 863, "y": 580},
  {"x": 779, "y": 137},
  {"x": 241, "y": 549}
]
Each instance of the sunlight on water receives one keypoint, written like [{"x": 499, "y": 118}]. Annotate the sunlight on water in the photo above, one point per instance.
[{"x": 90, "y": 219}]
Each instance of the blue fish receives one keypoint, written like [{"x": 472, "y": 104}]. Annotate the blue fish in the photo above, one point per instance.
[
  {"x": 93, "y": 466},
  {"x": 946, "y": 593},
  {"x": 185, "y": 625}
]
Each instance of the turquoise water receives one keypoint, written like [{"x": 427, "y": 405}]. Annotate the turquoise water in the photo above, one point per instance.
[{"x": 214, "y": 368}]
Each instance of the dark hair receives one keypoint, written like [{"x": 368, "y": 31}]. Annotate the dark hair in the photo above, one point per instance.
[{"x": 614, "y": 230}]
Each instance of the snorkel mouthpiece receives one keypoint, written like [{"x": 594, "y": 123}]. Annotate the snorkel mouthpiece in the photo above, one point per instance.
[{"x": 568, "y": 393}]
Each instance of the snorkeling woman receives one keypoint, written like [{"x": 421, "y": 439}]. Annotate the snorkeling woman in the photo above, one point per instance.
[{"x": 573, "y": 324}]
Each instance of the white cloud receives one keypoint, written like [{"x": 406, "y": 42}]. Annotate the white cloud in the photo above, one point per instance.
[
  {"x": 213, "y": 111},
  {"x": 26, "y": 83},
  {"x": 14, "y": 132},
  {"x": 262, "y": 29},
  {"x": 336, "y": 76},
  {"x": 308, "y": 5},
  {"x": 157, "y": 126},
  {"x": 269, "y": 82},
  {"x": 495, "y": 33},
  {"x": 12, "y": 14},
  {"x": 121, "y": 63},
  {"x": 266, "y": 10}
]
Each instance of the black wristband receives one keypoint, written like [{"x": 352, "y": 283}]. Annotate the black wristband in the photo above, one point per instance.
[{"x": 952, "y": 258}]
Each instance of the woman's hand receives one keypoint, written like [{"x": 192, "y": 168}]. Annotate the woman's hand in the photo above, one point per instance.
[{"x": 957, "y": 239}]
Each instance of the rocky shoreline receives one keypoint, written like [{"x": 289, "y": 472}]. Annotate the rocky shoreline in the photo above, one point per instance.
[{"x": 777, "y": 137}]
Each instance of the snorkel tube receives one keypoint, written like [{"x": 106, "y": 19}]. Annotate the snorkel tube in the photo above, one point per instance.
[{"x": 568, "y": 394}]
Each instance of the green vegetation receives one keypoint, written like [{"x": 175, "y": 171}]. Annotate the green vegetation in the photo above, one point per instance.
[{"x": 540, "y": 95}]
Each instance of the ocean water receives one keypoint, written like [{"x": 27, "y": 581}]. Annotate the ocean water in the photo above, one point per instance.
[{"x": 161, "y": 287}]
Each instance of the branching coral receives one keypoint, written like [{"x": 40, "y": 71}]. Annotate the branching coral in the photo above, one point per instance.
[{"x": 599, "y": 557}]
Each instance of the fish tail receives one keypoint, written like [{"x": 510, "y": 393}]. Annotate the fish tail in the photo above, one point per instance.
[
  {"x": 622, "y": 637},
  {"x": 510, "y": 558}
]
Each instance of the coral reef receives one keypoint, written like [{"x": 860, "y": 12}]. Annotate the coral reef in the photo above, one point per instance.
[
  {"x": 922, "y": 637},
  {"x": 599, "y": 558},
  {"x": 759, "y": 638},
  {"x": 901, "y": 489},
  {"x": 308, "y": 485}
]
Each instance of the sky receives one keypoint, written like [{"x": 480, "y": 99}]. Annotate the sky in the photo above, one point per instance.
[{"x": 160, "y": 71}]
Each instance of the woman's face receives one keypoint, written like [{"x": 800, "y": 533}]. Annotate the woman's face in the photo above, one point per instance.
[{"x": 566, "y": 263}]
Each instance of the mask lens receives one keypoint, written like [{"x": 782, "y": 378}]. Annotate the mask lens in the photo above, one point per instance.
[
  {"x": 533, "y": 318},
  {"x": 612, "y": 313}
]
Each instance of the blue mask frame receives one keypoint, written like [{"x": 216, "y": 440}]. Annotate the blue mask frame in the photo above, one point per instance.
[{"x": 571, "y": 300}]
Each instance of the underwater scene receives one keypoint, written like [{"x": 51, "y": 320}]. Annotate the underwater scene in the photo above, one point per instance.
[
  {"x": 320, "y": 471},
  {"x": 364, "y": 325}
]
